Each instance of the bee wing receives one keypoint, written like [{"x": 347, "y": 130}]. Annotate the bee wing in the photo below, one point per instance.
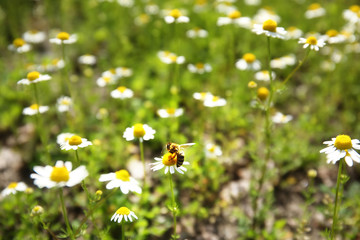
[{"x": 186, "y": 145}]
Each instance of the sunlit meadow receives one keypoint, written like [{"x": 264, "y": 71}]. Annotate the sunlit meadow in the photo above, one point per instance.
[{"x": 149, "y": 119}]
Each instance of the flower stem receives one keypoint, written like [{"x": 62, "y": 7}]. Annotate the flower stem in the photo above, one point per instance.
[
  {"x": 83, "y": 185},
  {"x": 173, "y": 203},
  {"x": 336, "y": 208},
  {"x": 297, "y": 67},
  {"x": 66, "y": 72},
  {"x": 69, "y": 230},
  {"x": 122, "y": 231},
  {"x": 142, "y": 157}
]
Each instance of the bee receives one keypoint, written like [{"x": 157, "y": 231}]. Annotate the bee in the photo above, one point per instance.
[{"x": 177, "y": 149}]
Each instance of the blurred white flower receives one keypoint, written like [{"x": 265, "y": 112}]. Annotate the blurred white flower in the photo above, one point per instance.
[
  {"x": 34, "y": 36},
  {"x": 64, "y": 38},
  {"x": 19, "y": 45},
  {"x": 122, "y": 93},
  {"x": 314, "y": 10},
  {"x": 34, "y": 109}
]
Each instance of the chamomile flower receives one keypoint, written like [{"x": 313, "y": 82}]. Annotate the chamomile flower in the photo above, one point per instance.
[
  {"x": 283, "y": 62},
  {"x": 126, "y": 3},
  {"x": 123, "y": 72},
  {"x": 52, "y": 66},
  {"x": 235, "y": 18},
  {"x": 332, "y": 36},
  {"x": 225, "y": 6},
  {"x": 281, "y": 118},
  {"x": 19, "y": 45},
  {"x": 64, "y": 38},
  {"x": 175, "y": 16},
  {"x": 197, "y": 33},
  {"x": 59, "y": 176},
  {"x": 13, "y": 187},
  {"x": 263, "y": 93},
  {"x": 75, "y": 142},
  {"x": 352, "y": 13},
  {"x": 248, "y": 62},
  {"x": 123, "y": 213},
  {"x": 199, "y": 68},
  {"x": 122, "y": 93},
  {"x": 34, "y": 36},
  {"x": 105, "y": 80},
  {"x": 151, "y": 8},
  {"x": 141, "y": 131},
  {"x": 168, "y": 161},
  {"x": 170, "y": 112},
  {"x": 313, "y": 42},
  {"x": 293, "y": 33},
  {"x": 110, "y": 73},
  {"x": 270, "y": 29},
  {"x": 212, "y": 150},
  {"x": 314, "y": 10},
  {"x": 342, "y": 147},
  {"x": 63, "y": 138},
  {"x": 169, "y": 57},
  {"x": 37, "y": 211},
  {"x": 64, "y": 104},
  {"x": 214, "y": 101},
  {"x": 87, "y": 59},
  {"x": 202, "y": 95},
  {"x": 35, "y": 109},
  {"x": 142, "y": 19},
  {"x": 34, "y": 77},
  {"x": 264, "y": 75},
  {"x": 264, "y": 14},
  {"x": 121, "y": 179},
  {"x": 252, "y": 2}
]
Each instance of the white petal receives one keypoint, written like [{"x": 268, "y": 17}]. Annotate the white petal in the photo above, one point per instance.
[
  {"x": 349, "y": 161},
  {"x": 166, "y": 169},
  {"x": 107, "y": 177},
  {"x": 172, "y": 170}
]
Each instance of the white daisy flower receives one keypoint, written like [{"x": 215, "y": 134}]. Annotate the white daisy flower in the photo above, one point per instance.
[
  {"x": 293, "y": 33},
  {"x": 264, "y": 75},
  {"x": 252, "y": 2},
  {"x": 122, "y": 180},
  {"x": 283, "y": 62},
  {"x": 58, "y": 176},
  {"x": 202, "y": 95},
  {"x": 123, "y": 72},
  {"x": 332, "y": 36},
  {"x": 214, "y": 101},
  {"x": 122, "y": 93},
  {"x": 212, "y": 150},
  {"x": 34, "y": 109},
  {"x": 352, "y": 13},
  {"x": 110, "y": 73},
  {"x": 141, "y": 131},
  {"x": 170, "y": 112},
  {"x": 248, "y": 62},
  {"x": 63, "y": 138},
  {"x": 270, "y": 29},
  {"x": 87, "y": 59},
  {"x": 169, "y": 57},
  {"x": 235, "y": 18},
  {"x": 54, "y": 65},
  {"x": 126, "y": 3},
  {"x": 14, "y": 187},
  {"x": 314, "y": 10},
  {"x": 151, "y": 8},
  {"x": 34, "y": 36},
  {"x": 225, "y": 6},
  {"x": 19, "y": 45},
  {"x": 168, "y": 161},
  {"x": 176, "y": 16},
  {"x": 64, "y": 38},
  {"x": 123, "y": 213},
  {"x": 37, "y": 211},
  {"x": 281, "y": 118},
  {"x": 264, "y": 14},
  {"x": 34, "y": 77},
  {"x": 142, "y": 19},
  {"x": 311, "y": 41},
  {"x": 105, "y": 80},
  {"x": 342, "y": 147},
  {"x": 197, "y": 33},
  {"x": 199, "y": 68},
  {"x": 74, "y": 143},
  {"x": 64, "y": 104}
]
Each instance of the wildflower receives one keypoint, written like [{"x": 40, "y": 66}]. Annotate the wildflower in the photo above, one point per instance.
[
  {"x": 34, "y": 77},
  {"x": 54, "y": 65},
  {"x": 281, "y": 118},
  {"x": 252, "y": 84},
  {"x": 225, "y": 6},
  {"x": 332, "y": 36},
  {"x": 122, "y": 180},
  {"x": 123, "y": 72},
  {"x": 169, "y": 57},
  {"x": 264, "y": 14},
  {"x": 122, "y": 93},
  {"x": 214, "y": 101},
  {"x": 87, "y": 59},
  {"x": 110, "y": 73},
  {"x": 252, "y": 2},
  {"x": 293, "y": 33},
  {"x": 126, "y": 3},
  {"x": 142, "y": 19},
  {"x": 264, "y": 75},
  {"x": 311, "y": 41},
  {"x": 64, "y": 104},
  {"x": 169, "y": 161},
  {"x": 125, "y": 213},
  {"x": 151, "y": 8},
  {"x": 141, "y": 131},
  {"x": 176, "y": 16},
  {"x": 283, "y": 62},
  {"x": 75, "y": 142},
  {"x": 64, "y": 38},
  {"x": 248, "y": 62},
  {"x": 352, "y": 13},
  {"x": 314, "y": 10},
  {"x": 34, "y": 109},
  {"x": 202, "y": 95},
  {"x": 342, "y": 147},
  {"x": 199, "y": 68},
  {"x": 170, "y": 112},
  {"x": 34, "y": 36},
  {"x": 234, "y": 17},
  {"x": 58, "y": 176},
  {"x": 105, "y": 80},
  {"x": 63, "y": 138},
  {"x": 263, "y": 93},
  {"x": 102, "y": 113},
  {"x": 19, "y": 45},
  {"x": 37, "y": 211},
  {"x": 197, "y": 33},
  {"x": 312, "y": 173},
  {"x": 270, "y": 29},
  {"x": 13, "y": 187},
  {"x": 212, "y": 150}
]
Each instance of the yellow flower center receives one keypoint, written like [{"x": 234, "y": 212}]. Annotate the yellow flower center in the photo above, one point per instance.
[
  {"x": 169, "y": 159},
  {"x": 171, "y": 111},
  {"x": 234, "y": 14},
  {"x": 34, "y": 106},
  {"x": 12, "y": 185},
  {"x": 55, "y": 61},
  {"x": 139, "y": 130},
  {"x": 123, "y": 175},
  {"x": 343, "y": 142},
  {"x": 263, "y": 93},
  {"x": 18, "y": 42},
  {"x": 249, "y": 57},
  {"x": 355, "y": 8},
  {"x": 199, "y": 66},
  {"x": 107, "y": 79},
  {"x": 63, "y": 36},
  {"x": 252, "y": 84},
  {"x": 121, "y": 89},
  {"x": 314, "y": 6},
  {"x": 270, "y": 25},
  {"x": 215, "y": 98},
  {"x": 173, "y": 58},
  {"x": 31, "y": 76},
  {"x": 75, "y": 140},
  {"x": 59, "y": 174},
  {"x": 332, "y": 33},
  {"x": 311, "y": 40},
  {"x": 211, "y": 149},
  {"x": 123, "y": 211},
  {"x": 291, "y": 29},
  {"x": 65, "y": 102},
  {"x": 175, "y": 13}
]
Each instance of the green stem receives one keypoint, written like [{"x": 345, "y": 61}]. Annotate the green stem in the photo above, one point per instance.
[
  {"x": 77, "y": 158},
  {"x": 83, "y": 185},
  {"x": 333, "y": 232},
  {"x": 47, "y": 229},
  {"x": 66, "y": 71},
  {"x": 142, "y": 157},
  {"x": 173, "y": 203},
  {"x": 122, "y": 231},
  {"x": 297, "y": 67},
  {"x": 69, "y": 230}
]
